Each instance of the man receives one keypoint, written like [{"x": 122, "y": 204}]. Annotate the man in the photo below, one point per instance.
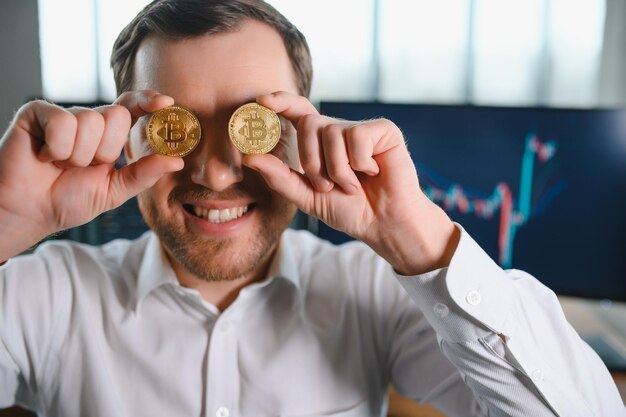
[{"x": 221, "y": 311}]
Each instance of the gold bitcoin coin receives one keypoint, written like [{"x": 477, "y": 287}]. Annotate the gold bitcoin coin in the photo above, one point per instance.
[
  {"x": 254, "y": 129},
  {"x": 173, "y": 131}
]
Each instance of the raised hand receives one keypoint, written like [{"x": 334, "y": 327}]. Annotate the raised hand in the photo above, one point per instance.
[
  {"x": 358, "y": 177},
  {"x": 57, "y": 167}
]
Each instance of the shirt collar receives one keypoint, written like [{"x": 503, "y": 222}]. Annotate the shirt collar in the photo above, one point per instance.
[
  {"x": 156, "y": 270},
  {"x": 284, "y": 264}
]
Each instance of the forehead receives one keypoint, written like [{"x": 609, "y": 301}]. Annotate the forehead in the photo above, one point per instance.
[{"x": 240, "y": 64}]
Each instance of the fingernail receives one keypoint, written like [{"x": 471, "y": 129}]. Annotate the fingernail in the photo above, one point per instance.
[
  {"x": 323, "y": 184},
  {"x": 164, "y": 96},
  {"x": 351, "y": 189}
]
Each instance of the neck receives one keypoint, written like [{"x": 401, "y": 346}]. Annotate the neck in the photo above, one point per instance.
[{"x": 220, "y": 293}]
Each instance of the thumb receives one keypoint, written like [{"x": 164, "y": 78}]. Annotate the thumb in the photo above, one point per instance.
[
  {"x": 279, "y": 177},
  {"x": 134, "y": 178}
]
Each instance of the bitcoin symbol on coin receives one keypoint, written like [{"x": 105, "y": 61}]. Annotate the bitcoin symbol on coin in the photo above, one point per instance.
[
  {"x": 173, "y": 131},
  {"x": 254, "y": 129}
]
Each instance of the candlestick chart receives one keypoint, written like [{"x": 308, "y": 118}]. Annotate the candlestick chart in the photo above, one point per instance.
[{"x": 511, "y": 211}]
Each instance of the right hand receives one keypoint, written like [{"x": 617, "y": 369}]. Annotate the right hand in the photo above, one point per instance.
[{"x": 57, "y": 166}]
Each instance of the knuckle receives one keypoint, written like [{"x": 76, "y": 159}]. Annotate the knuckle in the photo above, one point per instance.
[
  {"x": 385, "y": 122},
  {"x": 332, "y": 129},
  {"x": 308, "y": 122},
  {"x": 117, "y": 114},
  {"x": 30, "y": 107},
  {"x": 63, "y": 120},
  {"x": 33, "y": 104},
  {"x": 390, "y": 126},
  {"x": 359, "y": 131},
  {"x": 90, "y": 118}
]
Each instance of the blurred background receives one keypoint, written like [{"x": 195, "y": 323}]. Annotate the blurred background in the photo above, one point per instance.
[{"x": 568, "y": 53}]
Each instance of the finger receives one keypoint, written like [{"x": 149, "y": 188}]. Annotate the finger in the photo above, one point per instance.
[
  {"x": 90, "y": 125},
  {"x": 380, "y": 135},
  {"x": 56, "y": 127},
  {"x": 117, "y": 122},
  {"x": 336, "y": 158},
  {"x": 134, "y": 178},
  {"x": 360, "y": 151},
  {"x": 310, "y": 151},
  {"x": 303, "y": 114},
  {"x": 280, "y": 178},
  {"x": 289, "y": 105},
  {"x": 140, "y": 103}
]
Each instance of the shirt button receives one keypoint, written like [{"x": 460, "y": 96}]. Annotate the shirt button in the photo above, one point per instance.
[
  {"x": 441, "y": 310},
  {"x": 537, "y": 375},
  {"x": 473, "y": 298},
  {"x": 222, "y": 412}
]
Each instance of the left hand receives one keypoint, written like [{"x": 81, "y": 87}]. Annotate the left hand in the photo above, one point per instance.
[{"x": 360, "y": 179}]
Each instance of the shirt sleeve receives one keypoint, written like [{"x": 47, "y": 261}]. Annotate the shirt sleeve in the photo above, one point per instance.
[
  {"x": 30, "y": 303},
  {"x": 506, "y": 334},
  {"x": 9, "y": 377}
]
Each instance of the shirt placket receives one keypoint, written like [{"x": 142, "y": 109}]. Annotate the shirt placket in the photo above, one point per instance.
[{"x": 223, "y": 370}]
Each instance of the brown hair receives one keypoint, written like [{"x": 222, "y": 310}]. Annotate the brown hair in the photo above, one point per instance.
[{"x": 179, "y": 19}]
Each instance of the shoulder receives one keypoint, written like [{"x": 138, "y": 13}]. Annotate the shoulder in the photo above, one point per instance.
[
  {"x": 350, "y": 269},
  {"x": 310, "y": 250},
  {"x": 347, "y": 287},
  {"x": 63, "y": 265},
  {"x": 110, "y": 257}
]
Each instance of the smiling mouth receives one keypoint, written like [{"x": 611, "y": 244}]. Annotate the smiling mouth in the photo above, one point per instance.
[{"x": 217, "y": 215}]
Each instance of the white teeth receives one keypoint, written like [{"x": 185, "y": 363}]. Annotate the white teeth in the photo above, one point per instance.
[
  {"x": 214, "y": 216},
  {"x": 220, "y": 216}
]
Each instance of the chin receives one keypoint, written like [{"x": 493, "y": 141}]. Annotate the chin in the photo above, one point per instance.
[{"x": 211, "y": 257}]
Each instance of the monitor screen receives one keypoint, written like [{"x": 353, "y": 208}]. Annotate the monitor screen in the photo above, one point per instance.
[{"x": 540, "y": 189}]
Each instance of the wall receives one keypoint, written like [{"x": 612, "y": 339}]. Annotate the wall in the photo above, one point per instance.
[
  {"x": 612, "y": 88},
  {"x": 20, "y": 68}
]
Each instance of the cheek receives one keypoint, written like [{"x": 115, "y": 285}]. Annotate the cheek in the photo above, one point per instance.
[{"x": 158, "y": 194}]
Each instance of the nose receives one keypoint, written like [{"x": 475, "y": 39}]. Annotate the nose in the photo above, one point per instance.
[{"x": 215, "y": 163}]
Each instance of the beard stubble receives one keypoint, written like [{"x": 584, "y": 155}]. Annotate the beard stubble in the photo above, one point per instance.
[{"x": 218, "y": 259}]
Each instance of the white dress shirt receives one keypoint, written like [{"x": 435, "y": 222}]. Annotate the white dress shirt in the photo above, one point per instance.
[{"x": 108, "y": 331}]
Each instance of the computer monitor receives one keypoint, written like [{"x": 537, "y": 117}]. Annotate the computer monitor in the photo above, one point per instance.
[{"x": 540, "y": 189}]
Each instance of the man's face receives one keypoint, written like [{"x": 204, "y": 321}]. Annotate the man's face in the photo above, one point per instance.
[{"x": 216, "y": 218}]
